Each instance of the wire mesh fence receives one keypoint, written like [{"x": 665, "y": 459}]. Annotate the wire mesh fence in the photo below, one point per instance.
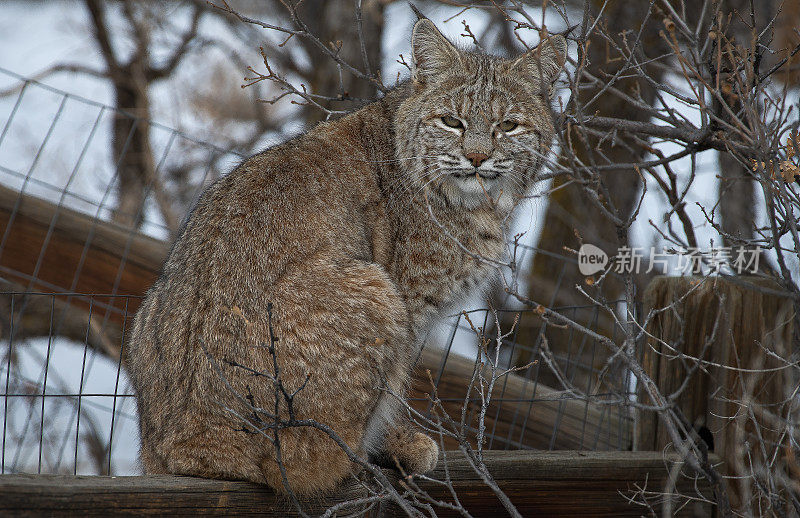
[
  {"x": 67, "y": 408},
  {"x": 60, "y": 147},
  {"x": 71, "y": 280}
]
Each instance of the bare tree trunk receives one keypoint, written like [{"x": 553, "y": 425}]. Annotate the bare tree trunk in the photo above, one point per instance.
[
  {"x": 130, "y": 138},
  {"x": 736, "y": 186},
  {"x": 131, "y": 79},
  {"x": 132, "y": 151}
]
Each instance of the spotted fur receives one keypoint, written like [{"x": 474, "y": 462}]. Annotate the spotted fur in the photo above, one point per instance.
[{"x": 357, "y": 233}]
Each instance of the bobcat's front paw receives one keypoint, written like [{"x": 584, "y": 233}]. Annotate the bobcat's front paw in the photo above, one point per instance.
[{"x": 420, "y": 454}]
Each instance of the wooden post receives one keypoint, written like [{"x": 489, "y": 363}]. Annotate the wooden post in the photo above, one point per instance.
[
  {"x": 741, "y": 329},
  {"x": 586, "y": 484}
]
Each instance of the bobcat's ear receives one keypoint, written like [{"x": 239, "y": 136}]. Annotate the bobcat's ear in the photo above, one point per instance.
[
  {"x": 431, "y": 54},
  {"x": 543, "y": 63}
]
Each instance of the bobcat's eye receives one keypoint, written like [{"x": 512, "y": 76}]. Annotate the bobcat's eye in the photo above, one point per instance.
[
  {"x": 508, "y": 126},
  {"x": 452, "y": 122}
]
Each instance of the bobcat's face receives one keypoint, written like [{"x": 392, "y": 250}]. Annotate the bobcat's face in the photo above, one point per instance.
[
  {"x": 477, "y": 126},
  {"x": 478, "y": 138}
]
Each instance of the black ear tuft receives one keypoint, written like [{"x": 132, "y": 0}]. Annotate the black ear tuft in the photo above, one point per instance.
[{"x": 419, "y": 14}]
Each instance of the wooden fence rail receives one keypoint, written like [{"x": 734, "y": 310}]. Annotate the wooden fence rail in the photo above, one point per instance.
[{"x": 586, "y": 484}]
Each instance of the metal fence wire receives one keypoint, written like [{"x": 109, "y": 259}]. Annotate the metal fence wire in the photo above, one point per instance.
[{"x": 70, "y": 283}]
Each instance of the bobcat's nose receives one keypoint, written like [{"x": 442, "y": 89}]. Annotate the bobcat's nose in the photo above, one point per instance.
[{"x": 476, "y": 158}]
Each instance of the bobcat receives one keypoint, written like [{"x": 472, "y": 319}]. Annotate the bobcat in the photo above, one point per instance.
[{"x": 354, "y": 237}]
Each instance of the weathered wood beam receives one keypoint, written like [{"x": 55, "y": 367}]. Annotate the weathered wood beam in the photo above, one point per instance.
[
  {"x": 49, "y": 248},
  {"x": 587, "y": 484}
]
